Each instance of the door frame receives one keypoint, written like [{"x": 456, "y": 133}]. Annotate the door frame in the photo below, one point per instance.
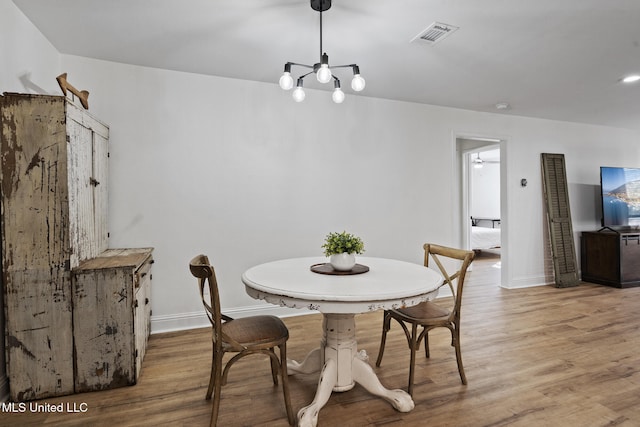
[{"x": 463, "y": 149}]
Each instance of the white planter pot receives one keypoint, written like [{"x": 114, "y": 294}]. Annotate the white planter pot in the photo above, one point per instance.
[{"x": 343, "y": 261}]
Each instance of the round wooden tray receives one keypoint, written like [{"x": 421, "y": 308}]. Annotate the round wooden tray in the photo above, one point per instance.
[{"x": 326, "y": 268}]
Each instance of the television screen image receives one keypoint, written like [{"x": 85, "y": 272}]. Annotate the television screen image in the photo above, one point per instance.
[{"x": 620, "y": 196}]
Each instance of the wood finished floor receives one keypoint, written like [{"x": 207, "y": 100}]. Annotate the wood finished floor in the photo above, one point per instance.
[{"x": 540, "y": 356}]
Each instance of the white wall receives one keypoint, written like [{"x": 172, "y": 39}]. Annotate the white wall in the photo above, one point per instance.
[
  {"x": 485, "y": 192},
  {"x": 239, "y": 171},
  {"x": 28, "y": 62}
]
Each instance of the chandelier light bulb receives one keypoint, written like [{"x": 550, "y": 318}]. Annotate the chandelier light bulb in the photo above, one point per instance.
[
  {"x": 324, "y": 73},
  {"x": 338, "y": 96},
  {"x": 298, "y": 94},
  {"x": 286, "y": 81},
  {"x": 357, "y": 83}
]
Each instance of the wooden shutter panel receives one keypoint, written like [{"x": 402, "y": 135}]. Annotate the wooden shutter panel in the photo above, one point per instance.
[{"x": 559, "y": 218}]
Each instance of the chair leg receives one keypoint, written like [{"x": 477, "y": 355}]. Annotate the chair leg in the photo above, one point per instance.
[
  {"x": 412, "y": 362},
  {"x": 274, "y": 368},
  {"x": 212, "y": 376},
  {"x": 386, "y": 325},
  {"x": 285, "y": 383},
  {"x": 456, "y": 343},
  {"x": 427, "y": 354},
  {"x": 218, "y": 388}
]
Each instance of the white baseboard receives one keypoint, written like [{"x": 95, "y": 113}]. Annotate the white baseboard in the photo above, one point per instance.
[{"x": 526, "y": 282}]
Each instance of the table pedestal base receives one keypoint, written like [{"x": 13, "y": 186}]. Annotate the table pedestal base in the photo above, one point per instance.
[{"x": 342, "y": 366}]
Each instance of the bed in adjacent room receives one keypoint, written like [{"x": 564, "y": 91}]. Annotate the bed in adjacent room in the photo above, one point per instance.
[{"x": 484, "y": 238}]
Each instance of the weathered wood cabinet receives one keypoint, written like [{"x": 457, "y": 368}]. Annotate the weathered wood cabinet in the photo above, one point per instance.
[
  {"x": 111, "y": 312},
  {"x": 53, "y": 188}
]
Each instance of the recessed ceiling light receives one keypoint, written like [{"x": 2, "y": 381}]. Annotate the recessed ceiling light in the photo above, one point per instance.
[
  {"x": 503, "y": 106},
  {"x": 631, "y": 78}
]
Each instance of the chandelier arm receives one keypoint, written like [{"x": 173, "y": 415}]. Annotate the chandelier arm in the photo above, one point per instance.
[
  {"x": 344, "y": 66},
  {"x": 301, "y": 65},
  {"x": 305, "y": 75}
]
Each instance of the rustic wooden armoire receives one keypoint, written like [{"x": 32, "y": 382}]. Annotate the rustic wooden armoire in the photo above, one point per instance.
[{"x": 73, "y": 318}]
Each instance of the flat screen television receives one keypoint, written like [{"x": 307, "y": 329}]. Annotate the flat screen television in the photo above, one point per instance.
[{"x": 620, "y": 189}]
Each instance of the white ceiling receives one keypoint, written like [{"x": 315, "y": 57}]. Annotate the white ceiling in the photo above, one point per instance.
[{"x": 555, "y": 59}]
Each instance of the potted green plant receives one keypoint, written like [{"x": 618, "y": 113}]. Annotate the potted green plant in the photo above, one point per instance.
[{"x": 341, "y": 248}]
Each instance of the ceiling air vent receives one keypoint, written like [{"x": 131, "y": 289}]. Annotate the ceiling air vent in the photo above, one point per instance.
[{"x": 435, "y": 32}]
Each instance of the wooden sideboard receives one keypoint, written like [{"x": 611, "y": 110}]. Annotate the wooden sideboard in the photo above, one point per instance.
[{"x": 611, "y": 258}]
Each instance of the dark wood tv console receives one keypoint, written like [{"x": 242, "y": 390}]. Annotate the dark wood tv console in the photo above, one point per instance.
[{"x": 611, "y": 257}]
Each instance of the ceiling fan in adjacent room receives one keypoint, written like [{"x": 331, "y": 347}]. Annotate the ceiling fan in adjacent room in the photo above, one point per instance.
[{"x": 478, "y": 162}]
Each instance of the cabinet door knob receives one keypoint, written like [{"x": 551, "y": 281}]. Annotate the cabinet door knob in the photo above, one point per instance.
[{"x": 94, "y": 182}]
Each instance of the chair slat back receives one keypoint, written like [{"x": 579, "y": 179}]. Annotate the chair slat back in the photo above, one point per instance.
[
  {"x": 465, "y": 257},
  {"x": 206, "y": 275}
]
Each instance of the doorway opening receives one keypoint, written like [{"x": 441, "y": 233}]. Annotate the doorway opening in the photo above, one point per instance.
[{"x": 481, "y": 206}]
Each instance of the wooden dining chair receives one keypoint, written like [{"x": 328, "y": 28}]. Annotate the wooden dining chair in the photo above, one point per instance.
[
  {"x": 243, "y": 336},
  {"x": 430, "y": 315}
]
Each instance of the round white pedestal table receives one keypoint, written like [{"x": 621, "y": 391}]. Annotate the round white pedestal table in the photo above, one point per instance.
[{"x": 388, "y": 284}]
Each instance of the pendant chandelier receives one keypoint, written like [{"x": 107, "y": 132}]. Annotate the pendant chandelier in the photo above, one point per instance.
[{"x": 320, "y": 69}]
